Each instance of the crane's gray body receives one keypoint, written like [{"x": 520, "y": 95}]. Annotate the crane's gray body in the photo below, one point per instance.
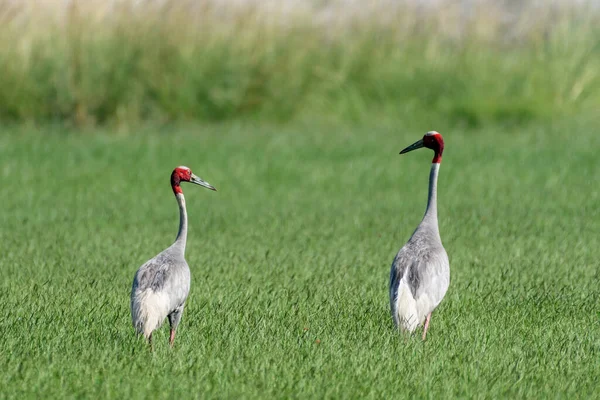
[
  {"x": 420, "y": 273},
  {"x": 161, "y": 286}
]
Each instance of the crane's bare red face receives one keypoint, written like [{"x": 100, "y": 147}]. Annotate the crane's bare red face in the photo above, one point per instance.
[
  {"x": 432, "y": 140},
  {"x": 184, "y": 174}
]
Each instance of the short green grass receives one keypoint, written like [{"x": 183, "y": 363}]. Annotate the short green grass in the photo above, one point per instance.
[{"x": 290, "y": 262}]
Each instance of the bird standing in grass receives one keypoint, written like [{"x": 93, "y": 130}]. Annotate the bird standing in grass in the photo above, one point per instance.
[
  {"x": 161, "y": 285},
  {"x": 420, "y": 272}
]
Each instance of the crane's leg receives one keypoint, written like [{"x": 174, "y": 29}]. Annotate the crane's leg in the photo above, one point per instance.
[
  {"x": 172, "y": 337},
  {"x": 426, "y": 326},
  {"x": 174, "y": 319},
  {"x": 150, "y": 341}
]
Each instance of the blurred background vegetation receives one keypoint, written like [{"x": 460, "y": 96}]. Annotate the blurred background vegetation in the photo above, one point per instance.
[{"x": 124, "y": 63}]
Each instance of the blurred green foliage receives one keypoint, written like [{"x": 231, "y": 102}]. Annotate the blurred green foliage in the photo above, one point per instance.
[{"x": 93, "y": 64}]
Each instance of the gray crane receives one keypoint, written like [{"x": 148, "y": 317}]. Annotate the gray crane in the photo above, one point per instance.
[
  {"x": 420, "y": 273},
  {"x": 161, "y": 285}
]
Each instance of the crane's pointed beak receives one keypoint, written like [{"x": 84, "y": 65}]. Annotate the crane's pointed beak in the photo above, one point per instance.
[
  {"x": 198, "y": 181},
  {"x": 417, "y": 145}
]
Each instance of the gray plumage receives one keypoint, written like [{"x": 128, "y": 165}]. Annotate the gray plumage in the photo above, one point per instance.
[
  {"x": 160, "y": 289},
  {"x": 162, "y": 284},
  {"x": 420, "y": 273}
]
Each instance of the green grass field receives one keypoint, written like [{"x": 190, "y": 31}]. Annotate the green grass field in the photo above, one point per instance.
[{"x": 290, "y": 262}]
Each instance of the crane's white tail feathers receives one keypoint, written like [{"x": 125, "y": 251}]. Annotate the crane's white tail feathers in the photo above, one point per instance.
[
  {"x": 406, "y": 315},
  {"x": 148, "y": 310}
]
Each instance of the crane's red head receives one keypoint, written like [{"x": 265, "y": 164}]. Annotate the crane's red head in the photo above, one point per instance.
[
  {"x": 184, "y": 174},
  {"x": 432, "y": 140}
]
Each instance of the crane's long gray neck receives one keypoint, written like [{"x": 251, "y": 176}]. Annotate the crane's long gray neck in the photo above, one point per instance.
[
  {"x": 431, "y": 211},
  {"x": 183, "y": 223}
]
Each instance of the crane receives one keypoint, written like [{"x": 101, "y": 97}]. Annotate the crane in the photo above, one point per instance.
[
  {"x": 161, "y": 285},
  {"x": 420, "y": 273}
]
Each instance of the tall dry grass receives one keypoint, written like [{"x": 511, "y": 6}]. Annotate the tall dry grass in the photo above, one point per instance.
[{"x": 95, "y": 62}]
